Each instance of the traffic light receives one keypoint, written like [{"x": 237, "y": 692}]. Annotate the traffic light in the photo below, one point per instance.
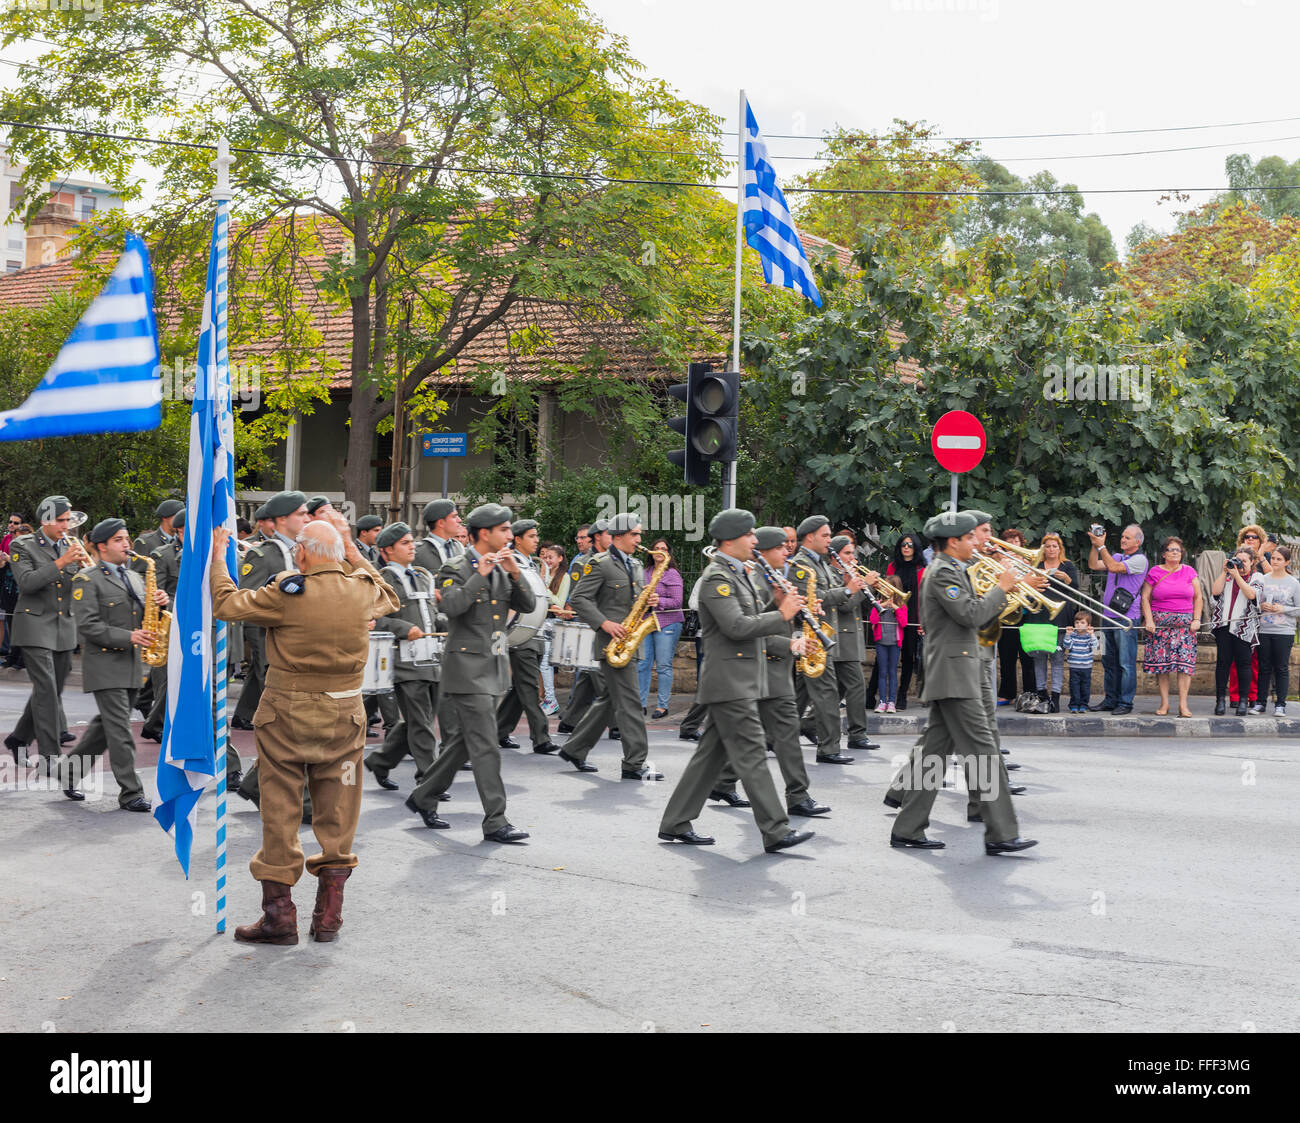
[{"x": 712, "y": 413}]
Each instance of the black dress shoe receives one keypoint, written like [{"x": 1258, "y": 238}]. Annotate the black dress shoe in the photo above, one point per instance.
[
  {"x": 688, "y": 837},
  {"x": 836, "y": 758},
  {"x": 892, "y": 801},
  {"x": 430, "y": 817},
  {"x": 546, "y": 747},
  {"x": 66, "y": 738},
  {"x": 900, "y": 705},
  {"x": 506, "y": 834},
  {"x": 1009, "y": 766},
  {"x": 444, "y": 797},
  {"x": 240, "y": 723},
  {"x": 915, "y": 843},
  {"x": 137, "y": 804},
  {"x": 1242, "y": 708},
  {"x": 1120, "y": 711},
  {"x": 811, "y": 738},
  {"x": 693, "y": 735},
  {"x": 73, "y": 794},
  {"x": 641, "y": 774},
  {"x": 509, "y": 743},
  {"x": 1016, "y": 789},
  {"x": 144, "y": 736},
  {"x": 791, "y": 839},
  {"x": 1010, "y": 846},
  {"x": 1005, "y": 752},
  {"x": 615, "y": 735},
  {"x": 861, "y": 744},
  {"x": 564, "y": 727},
  {"x": 18, "y": 749},
  {"x": 729, "y": 798},
  {"x": 1102, "y": 706},
  {"x": 234, "y": 780},
  {"x": 809, "y": 807},
  {"x": 467, "y": 767},
  {"x": 380, "y": 774},
  {"x": 580, "y": 765}
]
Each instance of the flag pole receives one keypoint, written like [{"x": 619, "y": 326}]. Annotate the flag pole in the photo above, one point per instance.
[
  {"x": 221, "y": 196},
  {"x": 729, "y": 480}
]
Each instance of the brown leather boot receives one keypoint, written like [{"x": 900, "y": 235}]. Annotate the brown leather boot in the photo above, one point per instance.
[
  {"x": 327, "y": 917},
  {"x": 279, "y": 923}
]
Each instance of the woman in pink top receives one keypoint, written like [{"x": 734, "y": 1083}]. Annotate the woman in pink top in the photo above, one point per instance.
[{"x": 1171, "y": 600}]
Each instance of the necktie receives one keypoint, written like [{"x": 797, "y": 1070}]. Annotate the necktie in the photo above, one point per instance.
[
  {"x": 130, "y": 591},
  {"x": 59, "y": 547},
  {"x": 410, "y": 580}
]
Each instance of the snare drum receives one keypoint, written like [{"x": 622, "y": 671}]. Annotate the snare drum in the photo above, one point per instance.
[
  {"x": 574, "y": 645},
  {"x": 378, "y": 678},
  {"x": 423, "y": 652}
]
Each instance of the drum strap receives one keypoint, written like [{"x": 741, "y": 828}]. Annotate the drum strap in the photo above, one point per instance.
[{"x": 422, "y": 601}]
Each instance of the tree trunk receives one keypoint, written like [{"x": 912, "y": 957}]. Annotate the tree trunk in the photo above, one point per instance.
[{"x": 363, "y": 416}]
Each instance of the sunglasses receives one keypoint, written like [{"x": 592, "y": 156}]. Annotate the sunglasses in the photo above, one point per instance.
[{"x": 1254, "y": 536}]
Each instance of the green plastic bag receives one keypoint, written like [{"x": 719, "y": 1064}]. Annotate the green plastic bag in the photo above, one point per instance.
[{"x": 1038, "y": 638}]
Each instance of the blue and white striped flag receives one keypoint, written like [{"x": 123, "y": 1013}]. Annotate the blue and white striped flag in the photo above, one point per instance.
[
  {"x": 768, "y": 226},
  {"x": 106, "y": 378},
  {"x": 192, "y": 748}
]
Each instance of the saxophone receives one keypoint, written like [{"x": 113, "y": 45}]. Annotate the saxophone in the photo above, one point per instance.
[
  {"x": 156, "y": 622},
  {"x": 813, "y": 663},
  {"x": 639, "y": 622}
]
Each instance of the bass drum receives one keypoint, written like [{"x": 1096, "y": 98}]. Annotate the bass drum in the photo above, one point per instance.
[{"x": 523, "y": 626}]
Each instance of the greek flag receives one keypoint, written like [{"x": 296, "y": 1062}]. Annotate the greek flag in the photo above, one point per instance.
[
  {"x": 190, "y": 742},
  {"x": 106, "y": 378},
  {"x": 768, "y": 226}
]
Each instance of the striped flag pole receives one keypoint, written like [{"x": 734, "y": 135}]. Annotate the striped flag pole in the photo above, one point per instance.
[{"x": 729, "y": 484}]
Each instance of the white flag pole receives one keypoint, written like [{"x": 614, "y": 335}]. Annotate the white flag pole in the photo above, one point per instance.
[
  {"x": 729, "y": 483},
  {"x": 221, "y": 196}
]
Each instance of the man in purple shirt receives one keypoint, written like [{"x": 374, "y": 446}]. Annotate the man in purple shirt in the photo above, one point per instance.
[{"x": 1125, "y": 570}]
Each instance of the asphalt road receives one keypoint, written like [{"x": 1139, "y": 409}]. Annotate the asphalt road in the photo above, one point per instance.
[{"x": 1162, "y": 897}]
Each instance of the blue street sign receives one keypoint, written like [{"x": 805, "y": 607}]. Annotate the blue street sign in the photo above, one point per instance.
[{"x": 444, "y": 444}]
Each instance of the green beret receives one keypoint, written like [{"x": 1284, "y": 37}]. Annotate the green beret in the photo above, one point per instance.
[
  {"x": 369, "y": 522},
  {"x": 178, "y": 520},
  {"x": 770, "y": 537},
  {"x": 950, "y": 524},
  {"x": 622, "y": 523},
  {"x": 600, "y": 526},
  {"x": 980, "y": 517},
  {"x": 105, "y": 529},
  {"x": 839, "y": 542},
  {"x": 391, "y": 535},
  {"x": 260, "y": 513},
  {"x": 315, "y": 503},
  {"x": 285, "y": 503},
  {"x": 168, "y": 507},
  {"x": 523, "y": 526},
  {"x": 811, "y": 525},
  {"x": 438, "y": 509},
  {"x": 731, "y": 523},
  {"x": 51, "y": 507},
  {"x": 489, "y": 514}
]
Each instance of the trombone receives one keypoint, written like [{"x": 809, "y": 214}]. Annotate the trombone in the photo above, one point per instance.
[{"x": 1027, "y": 561}]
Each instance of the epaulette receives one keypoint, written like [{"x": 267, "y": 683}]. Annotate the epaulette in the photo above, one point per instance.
[{"x": 82, "y": 575}]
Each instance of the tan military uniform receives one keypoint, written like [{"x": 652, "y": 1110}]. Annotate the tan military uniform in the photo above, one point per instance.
[{"x": 310, "y": 722}]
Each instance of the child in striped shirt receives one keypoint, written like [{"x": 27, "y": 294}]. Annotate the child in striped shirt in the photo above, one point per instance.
[{"x": 1080, "y": 646}]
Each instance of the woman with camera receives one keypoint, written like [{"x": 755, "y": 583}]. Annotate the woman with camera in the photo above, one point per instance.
[
  {"x": 1171, "y": 601},
  {"x": 1236, "y": 625},
  {"x": 1279, "y": 606}
]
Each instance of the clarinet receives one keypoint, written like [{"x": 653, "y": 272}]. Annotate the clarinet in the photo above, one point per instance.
[
  {"x": 805, "y": 617},
  {"x": 865, "y": 587}
]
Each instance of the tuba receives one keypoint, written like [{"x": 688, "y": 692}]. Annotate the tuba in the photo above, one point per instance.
[
  {"x": 155, "y": 621},
  {"x": 640, "y": 622}
]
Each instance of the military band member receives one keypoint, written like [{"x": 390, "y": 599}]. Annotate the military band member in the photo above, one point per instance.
[
  {"x": 439, "y": 545},
  {"x": 776, "y": 708},
  {"x": 415, "y": 684},
  {"x": 368, "y": 528},
  {"x": 108, "y": 600},
  {"x": 319, "y": 508},
  {"x": 167, "y": 572},
  {"x": 732, "y": 679},
  {"x": 821, "y": 694},
  {"x": 310, "y": 722},
  {"x": 586, "y": 682},
  {"x": 144, "y": 546},
  {"x": 525, "y": 665},
  {"x": 611, "y": 582},
  {"x": 851, "y": 646},
  {"x": 477, "y": 589},
  {"x": 377, "y": 705},
  {"x": 954, "y": 692},
  {"x": 43, "y": 566}
]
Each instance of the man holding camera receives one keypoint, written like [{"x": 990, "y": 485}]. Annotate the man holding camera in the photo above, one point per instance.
[{"x": 1125, "y": 573}]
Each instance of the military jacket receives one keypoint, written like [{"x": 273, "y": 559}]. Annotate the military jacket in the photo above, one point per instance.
[
  {"x": 371, "y": 554},
  {"x": 107, "y": 614},
  {"x": 432, "y": 557},
  {"x": 145, "y": 545},
  {"x": 317, "y": 639},
  {"x": 476, "y": 659},
  {"x": 780, "y": 659},
  {"x": 953, "y": 615},
  {"x": 732, "y": 630},
  {"x": 830, "y": 592},
  {"x": 605, "y": 592},
  {"x": 167, "y": 566},
  {"x": 43, "y": 615},
  {"x": 850, "y": 639},
  {"x": 398, "y": 624}
]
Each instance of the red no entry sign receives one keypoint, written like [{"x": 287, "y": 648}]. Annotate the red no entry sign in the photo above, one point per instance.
[{"x": 957, "y": 441}]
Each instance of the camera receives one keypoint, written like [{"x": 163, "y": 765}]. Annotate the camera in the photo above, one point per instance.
[
  {"x": 1097, "y": 529},
  {"x": 1233, "y": 563}
]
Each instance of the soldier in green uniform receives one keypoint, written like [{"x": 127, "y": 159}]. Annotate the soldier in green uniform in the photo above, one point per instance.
[
  {"x": 586, "y": 682},
  {"x": 43, "y": 566},
  {"x": 821, "y": 693},
  {"x": 144, "y": 546},
  {"x": 611, "y": 582},
  {"x": 377, "y": 705},
  {"x": 957, "y": 721},
  {"x": 525, "y": 665},
  {"x": 368, "y": 528},
  {"x": 851, "y": 646},
  {"x": 442, "y": 523},
  {"x": 733, "y": 678},
  {"x": 415, "y": 684},
  {"x": 167, "y": 572},
  {"x": 776, "y": 709},
  {"x": 108, "y": 601},
  {"x": 477, "y": 588}
]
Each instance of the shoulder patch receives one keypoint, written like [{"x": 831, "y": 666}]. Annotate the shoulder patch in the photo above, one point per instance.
[
  {"x": 449, "y": 581},
  {"x": 77, "y": 594},
  {"x": 586, "y": 569},
  {"x": 952, "y": 592},
  {"x": 799, "y": 574},
  {"x": 13, "y": 557},
  {"x": 724, "y": 590},
  {"x": 246, "y": 569},
  {"x": 293, "y": 583}
]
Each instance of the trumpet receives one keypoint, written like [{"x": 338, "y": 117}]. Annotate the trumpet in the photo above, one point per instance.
[
  {"x": 887, "y": 586},
  {"x": 861, "y": 573},
  {"x": 72, "y": 541},
  {"x": 1025, "y": 561}
]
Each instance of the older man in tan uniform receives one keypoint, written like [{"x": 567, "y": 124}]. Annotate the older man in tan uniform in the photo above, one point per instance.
[{"x": 310, "y": 723}]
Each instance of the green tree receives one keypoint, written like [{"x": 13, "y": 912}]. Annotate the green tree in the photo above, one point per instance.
[{"x": 1271, "y": 184}]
